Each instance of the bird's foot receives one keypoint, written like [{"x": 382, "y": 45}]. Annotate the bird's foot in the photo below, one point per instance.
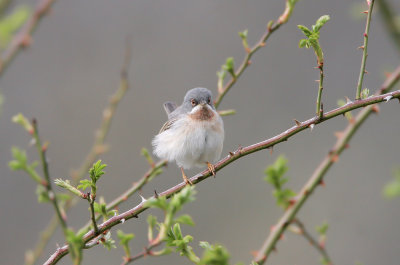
[
  {"x": 211, "y": 168},
  {"x": 185, "y": 178}
]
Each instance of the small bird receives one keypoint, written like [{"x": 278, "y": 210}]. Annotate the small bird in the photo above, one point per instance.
[{"x": 193, "y": 134}]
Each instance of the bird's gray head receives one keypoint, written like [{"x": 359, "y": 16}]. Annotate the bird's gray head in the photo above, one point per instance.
[{"x": 196, "y": 96}]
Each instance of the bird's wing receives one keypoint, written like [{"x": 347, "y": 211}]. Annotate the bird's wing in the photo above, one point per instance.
[
  {"x": 169, "y": 107},
  {"x": 167, "y": 125}
]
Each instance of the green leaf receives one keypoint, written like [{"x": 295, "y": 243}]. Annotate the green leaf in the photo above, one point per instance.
[
  {"x": 305, "y": 30},
  {"x": 160, "y": 202},
  {"x": 320, "y": 22},
  {"x": 148, "y": 157},
  {"x": 85, "y": 183},
  {"x": 178, "y": 200},
  {"x": 11, "y": 23},
  {"x": 185, "y": 219},
  {"x": 97, "y": 171},
  {"x": 124, "y": 238},
  {"x": 177, "y": 231},
  {"x": 392, "y": 189},
  {"x": 214, "y": 254},
  {"x": 365, "y": 93},
  {"x": 43, "y": 195},
  {"x": 229, "y": 66},
  {"x": 321, "y": 230},
  {"x": 75, "y": 244},
  {"x": 243, "y": 34},
  {"x": 303, "y": 43},
  {"x": 21, "y": 120},
  {"x": 67, "y": 185}
]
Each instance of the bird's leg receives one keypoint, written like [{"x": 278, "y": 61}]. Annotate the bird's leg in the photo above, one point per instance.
[
  {"x": 185, "y": 178},
  {"x": 211, "y": 168}
]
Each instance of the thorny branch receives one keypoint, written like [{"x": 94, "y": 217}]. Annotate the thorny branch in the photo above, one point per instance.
[
  {"x": 97, "y": 149},
  {"x": 240, "y": 152},
  {"x": 364, "y": 48},
  {"x": 24, "y": 37},
  {"x": 313, "y": 242},
  {"x": 271, "y": 28},
  {"x": 323, "y": 167},
  {"x": 48, "y": 185}
]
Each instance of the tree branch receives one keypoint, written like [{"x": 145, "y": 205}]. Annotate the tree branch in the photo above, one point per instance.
[
  {"x": 364, "y": 47},
  {"x": 97, "y": 149},
  {"x": 284, "y": 136},
  {"x": 323, "y": 167},
  {"x": 48, "y": 185},
  {"x": 23, "y": 38},
  {"x": 322, "y": 251},
  {"x": 271, "y": 28}
]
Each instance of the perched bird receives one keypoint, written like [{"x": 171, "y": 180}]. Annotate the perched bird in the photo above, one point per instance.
[{"x": 193, "y": 134}]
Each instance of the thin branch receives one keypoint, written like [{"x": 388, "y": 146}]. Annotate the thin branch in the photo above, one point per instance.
[
  {"x": 364, "y": 47},
  {"x": 48, "y": 185},
  {"x": 320, "y": 110},
  {"x": 271, "y": 28},
  {"x": 23, "y": 38},
  {"x": 97, "y": 149},
  {"x": 144, "y": 253},
  {"x": 321, "y": 170},
  {"x": 389, "y": 18},
  {"x": 132, "y": 190},
  {"x": 284, "y": 136},
  {"x": 313, "y": 242},
  {"x": 91, "y": 199}
]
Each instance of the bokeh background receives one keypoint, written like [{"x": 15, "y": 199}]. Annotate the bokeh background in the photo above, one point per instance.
[{"x": 66, "y": 77}]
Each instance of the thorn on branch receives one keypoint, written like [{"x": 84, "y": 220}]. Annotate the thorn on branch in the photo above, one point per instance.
[
  {"x": 297, "y": 122},
  {"x": 376, "y": 109},
  {"x": 155, "y": 194}
]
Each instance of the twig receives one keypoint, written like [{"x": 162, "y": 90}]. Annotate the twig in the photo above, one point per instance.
[
  {"x": 97, "y": 148},
  {"x": 312, "y": 241},
  {"x": 132, "y": 190},
  {"x": 320, "y": 110},
  {"x": 320, "y": 171},
  {"x": 145, "y": 252},
  {"x": 48, "y": 185},
  {"x": 271, "y": 28},
  {"x": 23, "y": 37},
  {"x": 389, "y": 18},
  {"x": 134, "y": 212},
  {"x": 91, "y": 200},
  {"x": 364, "y": 47}
]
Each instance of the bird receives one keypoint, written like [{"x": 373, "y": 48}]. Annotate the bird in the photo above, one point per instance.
[{"x": 193, "y": 134}]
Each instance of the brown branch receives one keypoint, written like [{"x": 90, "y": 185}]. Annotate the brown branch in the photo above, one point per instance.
[
  {"x": 144, "y": 253},
  {"x": 97, "y": 149},
  {"x": 271, "y": 28},
  {"x": 284, "y": 136},
  {"x": 48, "y": 185},
  {"x": 24, "y": 37},
  {"x": 313, "y": 242},
  {"x": 316, "y": 178}
]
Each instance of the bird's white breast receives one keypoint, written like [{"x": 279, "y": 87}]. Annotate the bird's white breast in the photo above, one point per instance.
[{"x": 191, "y": 142}]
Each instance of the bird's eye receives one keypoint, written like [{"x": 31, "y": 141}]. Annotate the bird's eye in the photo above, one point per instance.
[
  {"x": 194, "y": 102},
  {"x": 209, "y": 100}
]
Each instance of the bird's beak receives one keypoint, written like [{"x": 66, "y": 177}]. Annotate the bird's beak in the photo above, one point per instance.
[{"x": 203, "y": 104}]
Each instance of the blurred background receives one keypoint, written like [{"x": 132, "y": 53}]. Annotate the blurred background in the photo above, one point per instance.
[{"x": 66, "y": 77}]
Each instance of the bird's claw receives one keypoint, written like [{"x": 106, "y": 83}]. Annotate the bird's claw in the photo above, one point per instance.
[
  {"x": 211, "y": 168},
  {"x": 186, "y": 179}
]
